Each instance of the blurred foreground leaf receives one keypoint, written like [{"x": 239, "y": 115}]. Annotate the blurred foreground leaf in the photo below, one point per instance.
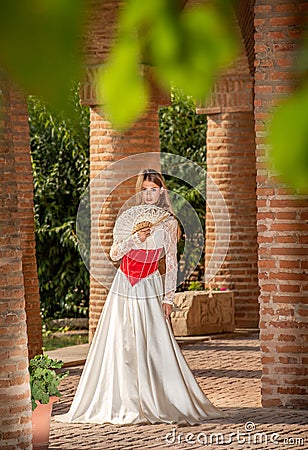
[
  {"x": 39, "y": 46},
  {"x": 186, "y": 49},
  {"x": 204, "y": 45},
  {"x": 289, "y": 141},
  {"x": 121, "y": 86}
]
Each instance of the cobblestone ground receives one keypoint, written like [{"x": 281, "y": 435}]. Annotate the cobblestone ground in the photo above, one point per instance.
[{"x": 228, "y": 370}]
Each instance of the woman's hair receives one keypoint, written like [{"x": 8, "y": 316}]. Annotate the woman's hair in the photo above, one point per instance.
[
  {"x": 164, "y": 201},
  {"x": 155, "y": 177}
]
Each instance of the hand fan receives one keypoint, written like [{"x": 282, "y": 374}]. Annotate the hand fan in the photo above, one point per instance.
[{"x": 136, "y": 218}]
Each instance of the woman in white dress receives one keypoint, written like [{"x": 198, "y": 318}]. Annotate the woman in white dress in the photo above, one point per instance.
[{"x": 135, "y": 371}]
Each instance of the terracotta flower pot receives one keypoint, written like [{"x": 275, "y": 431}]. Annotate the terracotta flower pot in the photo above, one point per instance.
[{"x": 41, "y": 424}]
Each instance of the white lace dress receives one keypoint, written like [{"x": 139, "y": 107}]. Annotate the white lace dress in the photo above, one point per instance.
[{"x": 135, "y": 371}]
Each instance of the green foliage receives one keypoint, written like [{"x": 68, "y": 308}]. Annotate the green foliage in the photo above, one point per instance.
[
  {"x": 288, "y": 157},
  {"x": 39, "y": 46},
  {"x": 195, "y": 286},
  {"x": 183, "y": 132},
  {"x": 60, "y": 161},
  {"x": 52, "y": 341},
  {"x": 44, "y": 381}
]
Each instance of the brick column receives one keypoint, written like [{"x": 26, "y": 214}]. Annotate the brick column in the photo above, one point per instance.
[
  {"x": 15, "y": 405},
  {"x": 231, "y": 165},
  {"x": 282, "y": 217},
  {"x": 21, "y": 142}
]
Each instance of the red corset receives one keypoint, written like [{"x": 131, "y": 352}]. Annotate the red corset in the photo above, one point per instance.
[{"x": 137, "y": 264}]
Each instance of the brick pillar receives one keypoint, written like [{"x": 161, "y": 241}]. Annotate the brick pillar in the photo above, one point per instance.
[
  {"x": 231, "y": 165},
  {"x": 282, "y": 217},
  {"x": 21, "y": 142},
  {"x": 15, "y": 405}
]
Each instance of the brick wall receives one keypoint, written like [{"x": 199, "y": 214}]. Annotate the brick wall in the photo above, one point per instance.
[
  {"x": 282, "y": 217},
  {"x": 15, "y": 406},
  {"x": 231, "y": 165},
  {"x": 21, "y": 142}
]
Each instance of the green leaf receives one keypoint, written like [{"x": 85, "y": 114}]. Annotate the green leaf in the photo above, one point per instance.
[{"x": 289, "y": 141}]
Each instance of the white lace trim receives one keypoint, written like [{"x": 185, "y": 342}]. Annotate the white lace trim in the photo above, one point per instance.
[
  {"x": 119, "y": 249},
  {"x": 170, "y": 226}
]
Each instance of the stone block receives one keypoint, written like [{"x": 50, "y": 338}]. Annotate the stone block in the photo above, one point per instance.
[{"x": 203, "y": 312}]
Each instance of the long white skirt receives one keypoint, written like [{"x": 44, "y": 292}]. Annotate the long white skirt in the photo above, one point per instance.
[{"x": 135, "y": 371}]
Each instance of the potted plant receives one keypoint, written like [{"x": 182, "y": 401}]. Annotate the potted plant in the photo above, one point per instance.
[{"x": 44, "y": 382}]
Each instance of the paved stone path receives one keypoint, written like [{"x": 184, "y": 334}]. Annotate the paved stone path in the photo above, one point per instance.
[{"x": 228, "y": 370}]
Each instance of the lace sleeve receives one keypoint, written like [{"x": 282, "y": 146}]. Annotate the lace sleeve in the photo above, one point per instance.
[
  {"x": 171, "y": 260},
  {"x": 119, "y": 249}
]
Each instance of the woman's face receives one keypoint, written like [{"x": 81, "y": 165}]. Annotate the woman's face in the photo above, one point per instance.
[{"x": 150, "y": 192}]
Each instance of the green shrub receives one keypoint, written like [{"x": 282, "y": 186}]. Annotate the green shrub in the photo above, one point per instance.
[
  {"x": 60, "y": 162},
  {"x": 195, "y": 286},
  {"x": 183, "y": 133}
]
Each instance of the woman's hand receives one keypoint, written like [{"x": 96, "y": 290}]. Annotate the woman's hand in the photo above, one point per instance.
[
  {"x": 167, "y": 309},
  {"x": 143, "y": 234}
]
